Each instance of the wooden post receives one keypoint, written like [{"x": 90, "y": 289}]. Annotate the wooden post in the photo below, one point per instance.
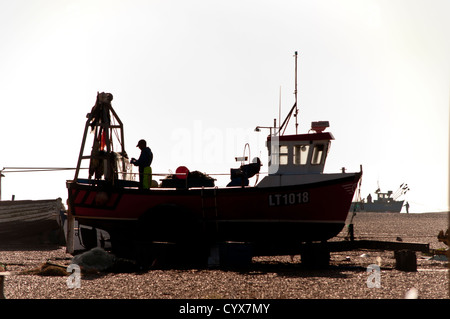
[
  {"x": 2, "y": 280},
  {"x": 2, "y": 283},
  {"x": 315, "y": 256},
  {"x": 4, "y": 273},
  {"x": 1, "y": 175},
  {"x": 70, "y": 232},
  {"x": 405, "y": 260},
  {"x": 351, "y": 232}
]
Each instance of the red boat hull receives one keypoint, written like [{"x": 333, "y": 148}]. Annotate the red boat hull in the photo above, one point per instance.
[{"x": 269, "y": 216}]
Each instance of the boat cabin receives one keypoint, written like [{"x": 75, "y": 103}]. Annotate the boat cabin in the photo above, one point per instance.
[
  {"x": 381, "y": 197},
  {"x": 300, "y": 153},
  {"x": 299, "y": 158}
]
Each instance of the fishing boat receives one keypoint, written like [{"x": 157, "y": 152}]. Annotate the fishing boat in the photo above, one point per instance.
[
  {"x": 386, "y": 202},
  {"x": 31, "y": 222},
  {"x": 295, "y": 202}
]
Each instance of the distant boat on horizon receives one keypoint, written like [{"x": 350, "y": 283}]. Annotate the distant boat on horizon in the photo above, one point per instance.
[{"x": 386, "y": 202}]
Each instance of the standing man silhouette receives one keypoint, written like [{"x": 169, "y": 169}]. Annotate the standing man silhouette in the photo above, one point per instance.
[
  {"x": 407, "y": 207},
  {"x": 144, "y": 162}
]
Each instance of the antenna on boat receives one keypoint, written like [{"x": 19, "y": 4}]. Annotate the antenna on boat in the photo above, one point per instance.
[
  {"x": 293, "y": 111},
  {"x": 295, "y": 93},
  {"x": 294, "y": 107},
  {"x": 279, "y": 112}
]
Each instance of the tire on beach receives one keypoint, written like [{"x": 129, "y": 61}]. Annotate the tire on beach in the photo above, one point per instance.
[{"x": 169, "y": 235}]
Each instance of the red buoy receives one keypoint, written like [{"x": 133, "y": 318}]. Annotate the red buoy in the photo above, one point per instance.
[{"x": 182, "y": 172}]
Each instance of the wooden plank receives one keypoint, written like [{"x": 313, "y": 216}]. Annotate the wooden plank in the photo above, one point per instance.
[
  {"x": 374, "y": 244},
  {"x": 395, "y": 245}
]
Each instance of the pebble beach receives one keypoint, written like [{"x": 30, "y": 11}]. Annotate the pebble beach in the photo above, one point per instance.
[{"x": 277, "y": 277}]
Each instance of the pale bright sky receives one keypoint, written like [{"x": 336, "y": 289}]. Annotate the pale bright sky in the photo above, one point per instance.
[{"x": 194, "y": 78}]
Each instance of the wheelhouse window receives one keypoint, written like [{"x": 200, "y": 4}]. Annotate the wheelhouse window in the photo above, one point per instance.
[
  {"x": 318, "y": 153},
  {"x": 300, "y": 154},
  {"x": 283, "y": 155},
  {"x": 279, "y": 155}
]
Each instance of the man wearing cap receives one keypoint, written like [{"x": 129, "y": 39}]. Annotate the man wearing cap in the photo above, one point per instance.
[{"x": 144, "y": 162}]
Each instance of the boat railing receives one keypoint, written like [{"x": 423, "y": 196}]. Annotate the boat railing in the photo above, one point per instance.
[{"x": 131, "y": 181}]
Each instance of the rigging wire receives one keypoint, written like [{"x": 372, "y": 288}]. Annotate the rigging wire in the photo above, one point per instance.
[
  {"x": 115, "y": 131},
  {"x": 35, "y": 169}
]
